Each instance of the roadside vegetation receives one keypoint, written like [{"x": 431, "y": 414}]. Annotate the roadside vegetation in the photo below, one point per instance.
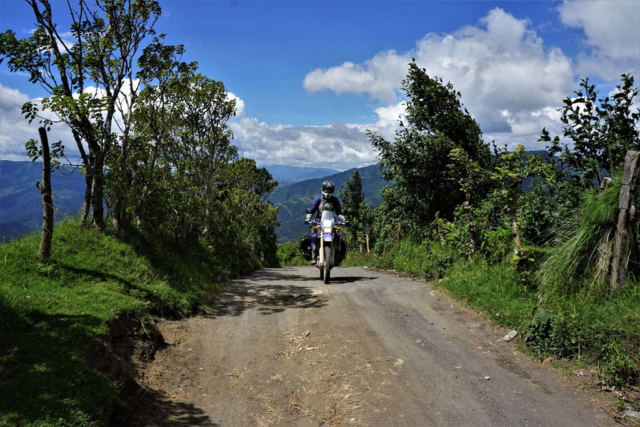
[{"x": 533, "y": 242}]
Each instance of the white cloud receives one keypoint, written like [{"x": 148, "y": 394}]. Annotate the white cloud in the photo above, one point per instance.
[
  {"x": 612, "y": 31},
  {"x": 338, "y": 145},
  {"x": 499, "y": 64},
  {"x": 15, "y": 131},
  {"x": 612, "y": 27},
  {"x": 387, "y": 122},
  {"x": 379, "y": 76},
  {"x": 239, "y": 104},
  {"x": 335, "y": 145}
]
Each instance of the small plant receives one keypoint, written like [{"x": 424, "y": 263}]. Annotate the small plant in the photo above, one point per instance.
[
  {"x": 538, "y": 334},
  {"x": 526, "y": 263},
  {"x": 616, "y": 367}
]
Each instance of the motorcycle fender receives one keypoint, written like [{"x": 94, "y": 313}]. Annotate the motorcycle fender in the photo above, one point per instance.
[{"x": 327, "y": 237}]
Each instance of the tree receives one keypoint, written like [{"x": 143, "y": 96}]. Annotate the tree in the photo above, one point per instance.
[
  {"x": 89, "y": 80},
  {"x": 418, "y": 159},
  {"x": 357, "y": 211},
  {"x": 598, "y": 132},
  {"x": 198, "y": 145}
]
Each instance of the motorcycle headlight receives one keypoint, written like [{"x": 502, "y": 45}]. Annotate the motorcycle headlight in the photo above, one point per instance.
[{"x": 327, "y": 229}]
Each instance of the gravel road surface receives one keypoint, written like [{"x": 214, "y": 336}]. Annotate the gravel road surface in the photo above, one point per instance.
[{"x": 369, "y": 349}]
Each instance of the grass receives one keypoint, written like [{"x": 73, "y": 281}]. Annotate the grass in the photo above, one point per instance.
[
  {"x": 50, "y": 314},
  {"x": 289, "y": 255},
  {"x": 493, "y": 290}
]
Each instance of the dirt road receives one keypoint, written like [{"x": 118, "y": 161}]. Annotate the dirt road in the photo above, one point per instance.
[{"x": 369, "y": 349}]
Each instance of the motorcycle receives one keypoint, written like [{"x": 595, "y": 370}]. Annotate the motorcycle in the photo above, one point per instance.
[{"x": 325, "y": 242}]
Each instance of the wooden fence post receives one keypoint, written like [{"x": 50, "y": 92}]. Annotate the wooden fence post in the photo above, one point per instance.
[
  {"x": 439, "y": 229},
  {"x": 44, "y": 253},
  {"x": 626, "y": 205}
]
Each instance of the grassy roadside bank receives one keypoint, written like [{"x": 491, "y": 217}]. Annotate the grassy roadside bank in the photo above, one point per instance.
[
  {"x": 595, "y": 329},
  {"x": 50, "y": 314}
]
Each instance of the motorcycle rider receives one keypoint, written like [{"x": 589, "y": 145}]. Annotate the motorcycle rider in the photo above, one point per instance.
[{"x": 327, "y": 196}]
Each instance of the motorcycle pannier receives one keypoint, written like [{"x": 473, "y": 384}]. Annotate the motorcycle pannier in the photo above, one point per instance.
[{"x": 305, "y": 247}]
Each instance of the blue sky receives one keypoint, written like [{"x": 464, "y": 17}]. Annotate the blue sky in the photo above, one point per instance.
[{"x": 319, "y": 74}]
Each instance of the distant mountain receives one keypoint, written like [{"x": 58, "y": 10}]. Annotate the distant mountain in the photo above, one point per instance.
[
  {"x": 293, "y": 200},
  {"x": 286, "y": 175},
  {"x": 21, "y": 202}
]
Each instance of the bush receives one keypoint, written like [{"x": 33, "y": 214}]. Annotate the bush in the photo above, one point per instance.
[{"x": 289, "y": 255}]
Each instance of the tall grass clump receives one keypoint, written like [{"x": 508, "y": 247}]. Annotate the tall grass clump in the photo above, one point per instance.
[{"x": 580, "y": 255}]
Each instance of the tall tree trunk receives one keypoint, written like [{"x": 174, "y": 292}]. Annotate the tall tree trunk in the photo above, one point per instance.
[
  {"x": 97, "y": 192},
  {"x": 472, "y": 242},
  {"x": 44, "y": 253},
  {"x": 516, "y": 234},
  {"x": 605, "y": 249},
  {"x": 141, "y": 219},
  {"x": 627, "y": 207},
  {"x": 439, "y": 229},
  {"x": 86, "y": 205}
]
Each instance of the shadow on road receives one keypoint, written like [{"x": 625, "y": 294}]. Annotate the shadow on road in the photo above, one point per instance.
[
  {"x": 156, "y": 409},
  {"x": 273, "y": 291},
  {"x": 265, "y": 291},
  {"x": 350, "y": 279}
]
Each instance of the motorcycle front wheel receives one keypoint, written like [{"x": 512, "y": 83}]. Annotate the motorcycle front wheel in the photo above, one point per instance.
[{"x": 327, "y": 264}]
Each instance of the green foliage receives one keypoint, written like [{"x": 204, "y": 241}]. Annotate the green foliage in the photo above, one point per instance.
[
  {"x": 618, "y": 367},
  {"x": 497, "y": 212},
  {"x": 428, "y": 260},
  {"x": 418, "y": 159},
  {"x": 358, "y": 213},
  {"x": 598, "y": 132},
  {"x": 289, "y": 255},
  {"x": 600, "y": 330},
  {"x": 526, "y": 264}
]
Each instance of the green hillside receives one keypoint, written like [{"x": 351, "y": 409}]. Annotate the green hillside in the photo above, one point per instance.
[{"x": 293, "y": 200}]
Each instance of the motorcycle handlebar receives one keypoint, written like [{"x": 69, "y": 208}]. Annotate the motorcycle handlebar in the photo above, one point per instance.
[{"x": 345, "y": 222}]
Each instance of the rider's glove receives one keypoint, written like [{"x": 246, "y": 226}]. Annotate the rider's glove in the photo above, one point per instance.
[
  {"x": 307, "y": 218},
  {"x": 342, "y": 218}
]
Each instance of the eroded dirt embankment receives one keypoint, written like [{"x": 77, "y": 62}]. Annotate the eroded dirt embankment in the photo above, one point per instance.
[{"x": 282, "y": 348}]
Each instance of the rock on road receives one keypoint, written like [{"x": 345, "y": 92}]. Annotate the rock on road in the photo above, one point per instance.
[{"x": 282, "y": 348}]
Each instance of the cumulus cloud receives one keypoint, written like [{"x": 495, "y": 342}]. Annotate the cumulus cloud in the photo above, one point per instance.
[
  {"x": 499, "y": 65},
  {"x": 379, "y": 76},
  {"x": 612, "y": 27},
  {"x": 335, "y": 145},
  {"x": 15, "y": 131},
  {"x": 612, "y": 32},
  {"x": 239, "y": 104}
]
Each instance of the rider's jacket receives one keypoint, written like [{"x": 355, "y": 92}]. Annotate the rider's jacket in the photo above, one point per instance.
[{"x": 315, "y": 206}]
